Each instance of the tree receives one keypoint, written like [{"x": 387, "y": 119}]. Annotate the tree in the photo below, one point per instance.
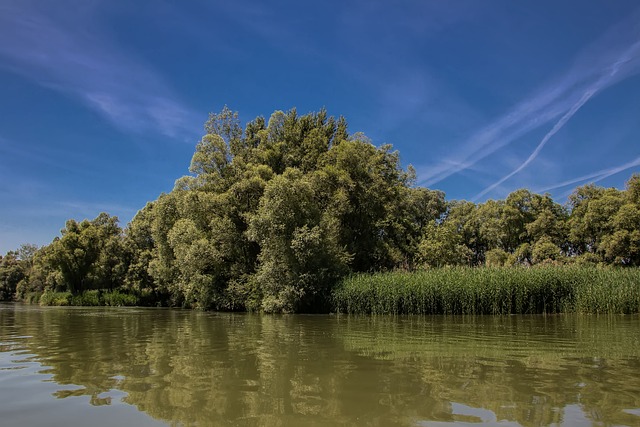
[
  {"x": 12, "y": 271},
  {"x": 489, "y": 237},
  {"x": 591, "y": 209},
  {"x": 272, "y": 216},
  {"x": 89, "y": 254},
  {"x": 544, "y": 250},
  {"x": 26, "y": 252},
  {"x": 633, "y": 189},
  {"x": 422, "y": 209},
  {"x": 622, "y": 244},
  {"x": 370, "y": 185},
  {"x": 496, "y": 258},
  {"x": 139, "y": 244},
  {"x": 300, "y": 257},
  {"x": 213, "y": 211},
  {"x": 443, "y": 246}
]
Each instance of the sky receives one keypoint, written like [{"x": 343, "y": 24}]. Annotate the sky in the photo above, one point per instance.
[{"x": 103, "y": 101}]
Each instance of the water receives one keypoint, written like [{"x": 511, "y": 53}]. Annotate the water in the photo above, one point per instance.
[{"x": 149, "y": 367}]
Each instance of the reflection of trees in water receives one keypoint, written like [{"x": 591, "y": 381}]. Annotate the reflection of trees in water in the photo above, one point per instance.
[
  {"x": 532, "y": 369},
  {"x": 215, "y": 369}
]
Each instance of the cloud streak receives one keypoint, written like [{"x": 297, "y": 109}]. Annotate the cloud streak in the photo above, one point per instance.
[
  {"x": 559, "y": 124},
  {"x": 612, "y": 58},
  {"x": 593, "y": 177},
  {"x": 609, "y": 77},
  {"x": 71, "y": 54}
]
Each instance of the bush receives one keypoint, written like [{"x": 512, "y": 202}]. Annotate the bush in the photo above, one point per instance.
[
  {"x": 118, "y": 299},
  {"x": 496, "y": 258},
  {"x": 32, "y": 297},
  {"x": 87, "y": 298},
  {"x": 56, "y": 298}
]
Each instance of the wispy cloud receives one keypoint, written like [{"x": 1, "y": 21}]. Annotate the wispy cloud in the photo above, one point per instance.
[
  {"x": 70, "y": 53},
  {"x": 592, "y": 177},
  {"x": 614, "y": 57},
  {"x": 559, "y": 124},
  {"x": 609, "y": 76}
]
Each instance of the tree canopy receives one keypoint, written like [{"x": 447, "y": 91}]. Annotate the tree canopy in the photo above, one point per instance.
[{"x": 273, "y": 215}]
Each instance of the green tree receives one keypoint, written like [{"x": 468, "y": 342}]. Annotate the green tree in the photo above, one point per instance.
[
  {"x": 300, "y": 257},
  {"x": 592, "y": 209},
  {"x": 270, "y": 217},
  {"x": 139, "y": 244},
  {"x": 12, "y": 271},
  {"x": 372, "y": 199},
  {"x": 460, "y": 230},
  {"x": 414, "y": 218},
  {"x": 211, "y": 212},
  {"x": 633, "y": 189},
  {"x": 545, "y": 250},
  {"x": 622, "y": 244},
  {"x": 443, "y": 246},
  {"x": 89, "y": 255},
  {"x": 496, "y": 258}
]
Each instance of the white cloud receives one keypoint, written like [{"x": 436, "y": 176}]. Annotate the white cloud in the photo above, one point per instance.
[
  {"x": 69, "y": 53},
  {"x": 593, "y": 177},
  {"x": 624, "y": 63},
  {"x": 611, "y": 59}
]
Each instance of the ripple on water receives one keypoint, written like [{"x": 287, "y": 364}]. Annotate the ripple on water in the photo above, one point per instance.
[{"x": 187, "y": 368}]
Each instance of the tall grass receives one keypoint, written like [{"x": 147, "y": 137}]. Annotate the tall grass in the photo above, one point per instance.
[{"x": 549, "y": 289}]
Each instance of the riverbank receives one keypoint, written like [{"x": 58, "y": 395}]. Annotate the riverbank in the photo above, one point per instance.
[
  {"x": 500, "y": 291},
  {"x": 460, "y": 290}
]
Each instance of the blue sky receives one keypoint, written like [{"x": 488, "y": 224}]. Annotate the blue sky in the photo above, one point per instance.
[{"x": 103, "y": 101}]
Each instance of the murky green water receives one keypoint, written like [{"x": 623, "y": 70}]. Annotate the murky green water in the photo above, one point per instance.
[{"x": 103, "y": 367}]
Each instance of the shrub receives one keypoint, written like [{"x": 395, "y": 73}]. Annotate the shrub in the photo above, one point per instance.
[
  {"x": 55, "y": 298},
  {"x": 118, "y": 299}
]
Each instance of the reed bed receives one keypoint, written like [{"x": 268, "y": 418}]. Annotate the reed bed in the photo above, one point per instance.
[{"x": 497, "y": 291}]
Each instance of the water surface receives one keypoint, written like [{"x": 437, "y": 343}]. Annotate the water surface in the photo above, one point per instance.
[{"x": 147, "y": 367}]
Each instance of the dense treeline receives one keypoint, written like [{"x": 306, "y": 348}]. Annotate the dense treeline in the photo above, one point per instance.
[{"x": 273, "y": 215}]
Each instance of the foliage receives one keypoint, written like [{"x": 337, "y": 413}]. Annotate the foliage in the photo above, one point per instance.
[
  {"x": 544, "y": 250},
  {"x": 496, "y": 257},
  {"x": 501, "y": 291},
  {"x": 443, "y": 246},
  {"x": 89, "y": 255},
  {"x": 56, "y": 298},
  {"x": 117, "y": 299},
  {"x": 88, "y": 298},
  {"x": 12, "y": 271},
  {"x": 16, "y": 268},
  {"x": 274, "y": 215}
]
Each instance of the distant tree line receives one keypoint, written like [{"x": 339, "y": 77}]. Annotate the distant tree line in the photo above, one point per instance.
[{"x": 273, "y": 215}]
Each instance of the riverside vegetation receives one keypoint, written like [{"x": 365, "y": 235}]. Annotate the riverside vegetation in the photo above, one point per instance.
[
  {"x": 492, "y": 290},
  {"x": 295, "y": 214}
]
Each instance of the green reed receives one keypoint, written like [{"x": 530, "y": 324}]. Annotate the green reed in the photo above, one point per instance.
[{"x": 549, "y": 289}]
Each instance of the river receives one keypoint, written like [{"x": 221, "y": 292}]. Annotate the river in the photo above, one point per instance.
[{"x": 148, "y": 367}]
